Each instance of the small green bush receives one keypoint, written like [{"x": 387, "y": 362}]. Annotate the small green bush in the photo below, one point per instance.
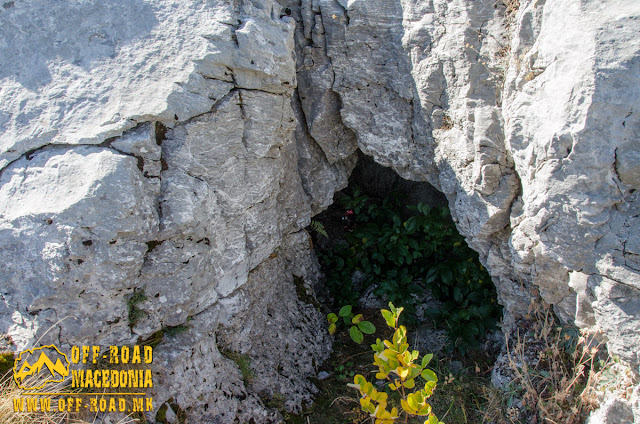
[
  {"x": 399, "y": 367},
  {"x": 406, "y": 249},
  {"x": 358, "y": 328}
]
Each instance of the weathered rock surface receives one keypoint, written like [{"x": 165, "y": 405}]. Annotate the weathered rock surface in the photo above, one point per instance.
[
  {"x": 570, "y": 97},
  {"x": 457, "y": 94},
  {"x": 180, "y": 147},
  {"x": 613, "y": 411},
  {"x": 527, "y": 123},
  {"x": 159, "y": 155}
]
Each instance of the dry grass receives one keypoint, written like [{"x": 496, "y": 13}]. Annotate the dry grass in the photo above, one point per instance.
[
  {"x": 555, "y": 371},
  {"x": 105, "y": 365},
  {"x": 495, "y": 410},
  {"x": 511, "y": 6},
  {"x": 10, "y": 393}
]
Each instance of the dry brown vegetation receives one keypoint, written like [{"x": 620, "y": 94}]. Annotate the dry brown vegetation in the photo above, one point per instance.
[
  {"x": 511, "y": 6},
  {"x": 10, "y": 393},
  {"x": 555, "y": 370}
]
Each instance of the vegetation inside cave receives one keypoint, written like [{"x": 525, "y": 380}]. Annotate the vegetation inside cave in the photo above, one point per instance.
[
  {"x": 391, "y": 240},
  {"x": 386, "y": 239}
]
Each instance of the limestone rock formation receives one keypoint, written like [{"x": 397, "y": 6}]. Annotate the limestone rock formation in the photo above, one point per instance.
[
  {"x": 178, "y": 149},
  {"x": 152, "y": 150}
]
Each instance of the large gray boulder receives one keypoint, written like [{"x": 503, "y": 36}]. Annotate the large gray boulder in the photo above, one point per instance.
[
  {"x": 526, "y": 120},
  {"x": 150, "y": 148},
  {"x": 178, "y": 149}
]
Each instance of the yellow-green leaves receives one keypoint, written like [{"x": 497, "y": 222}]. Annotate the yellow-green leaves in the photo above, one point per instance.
[
  {"x": 402, "y": 372},
  {"x": 433, "y": 420},
  {"x": 429, "y": 375},
  {"x": 389, "y": 318},
  {"x": 332, "y": 318},
  {"x": 356, "y": 335},
  {"x": 367, "y": 406},
  {"x": 373, "y": 401},
  {"x": 426, "y": 359},
  {"x": 358, "y": 327},
  {"x": 366, "y": 327},
  {"x": 416, "y": 404},
  {"x": 400, "y": 335},
  {"x": 397, "y": 364},
  {"x": 383, "y": 416},
  {"x": 345, "y": 311},
  {"x": 358, "y": 381}
]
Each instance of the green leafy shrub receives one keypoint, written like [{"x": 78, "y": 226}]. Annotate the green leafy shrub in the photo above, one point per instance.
[
  {"x": 398, "y": 366},
  {"x": 358, "y": 327},
  {"x": 406, "y": 249}
]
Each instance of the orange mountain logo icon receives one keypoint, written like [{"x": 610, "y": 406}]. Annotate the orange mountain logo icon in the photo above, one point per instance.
[{"x": 31, "y": 375}]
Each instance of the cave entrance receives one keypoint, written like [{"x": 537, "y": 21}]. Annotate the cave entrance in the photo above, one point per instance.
[{"x": 387, "y": 239}]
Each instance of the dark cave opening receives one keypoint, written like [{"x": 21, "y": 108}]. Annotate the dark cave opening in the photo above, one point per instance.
[
  {"x": 387, "y": 239},
  {"x": 364, "y": 241}
]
